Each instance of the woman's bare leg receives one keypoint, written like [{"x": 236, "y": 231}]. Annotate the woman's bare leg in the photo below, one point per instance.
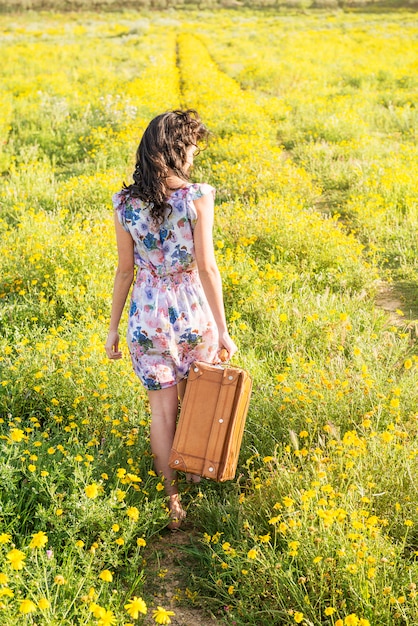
[
  {"x": 164, "y": 407},
  {"x": 181, "y": 388}
]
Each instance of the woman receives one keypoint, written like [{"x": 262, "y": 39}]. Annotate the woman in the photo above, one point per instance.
[{"x": 164, "y": 227}]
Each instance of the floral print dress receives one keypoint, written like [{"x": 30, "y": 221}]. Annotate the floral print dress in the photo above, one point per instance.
[{"x": 170, "y": 321}]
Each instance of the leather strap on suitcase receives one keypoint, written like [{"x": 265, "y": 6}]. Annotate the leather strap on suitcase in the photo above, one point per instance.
[{"x": 221, "y": 423}]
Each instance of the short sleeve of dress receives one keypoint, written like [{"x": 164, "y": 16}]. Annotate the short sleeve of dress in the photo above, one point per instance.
[
  {"x": 119, "y": 204},
  {"x": 196, "y": 191}
]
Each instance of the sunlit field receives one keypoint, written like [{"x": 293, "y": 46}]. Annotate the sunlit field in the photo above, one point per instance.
[{"x": 314, "y": 156}]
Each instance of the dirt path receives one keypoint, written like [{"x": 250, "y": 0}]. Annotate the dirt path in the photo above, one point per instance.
[
  {"x": 396, "y": 298},
  {"x": 166, "y": 582}
]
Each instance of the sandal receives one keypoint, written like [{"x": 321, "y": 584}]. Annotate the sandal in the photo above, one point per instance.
[{"x": 177, "y": 513}]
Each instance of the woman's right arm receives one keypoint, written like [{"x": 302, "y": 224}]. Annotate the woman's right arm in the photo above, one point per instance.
[
  {"x": 208, "y": 268},
  {"x": 122, "y": 284}
]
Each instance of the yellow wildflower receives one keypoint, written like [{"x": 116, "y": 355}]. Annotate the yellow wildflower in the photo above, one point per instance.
[
  {"x": 135, "y": 607},
  {"x": 288, "y": 502},
  {"x": 133, "y": 513},
  {"x": 161, "y": 615},
  {"x": 43, "y": 604},
  {"x": 39, "y": 540},
  {"x": 92, "y": 490},
  {"x": 16, "y": 559},
  {"x": 97, "y": 610},
  {"x": 27, "y": 606},
  {"x": 106, "y": 575},
  {"x": 59, "y": 580},
  {"x": 330, "y": 610},
  {"x": 107, "y": 619},
  {"x": 16, "y": 435}
]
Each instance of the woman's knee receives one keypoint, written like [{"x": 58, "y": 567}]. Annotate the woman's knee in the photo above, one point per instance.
[{"x": 163, "y": 404}]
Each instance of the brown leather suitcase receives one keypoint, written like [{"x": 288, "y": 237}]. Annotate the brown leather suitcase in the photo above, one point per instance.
[{"x": 211, "y": 424}]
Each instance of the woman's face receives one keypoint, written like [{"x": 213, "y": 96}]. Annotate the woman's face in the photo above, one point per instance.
[{"x": 190, "y": 151}]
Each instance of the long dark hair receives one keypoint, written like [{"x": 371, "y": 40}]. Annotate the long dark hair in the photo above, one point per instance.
[{"x": 163, "y": 146}]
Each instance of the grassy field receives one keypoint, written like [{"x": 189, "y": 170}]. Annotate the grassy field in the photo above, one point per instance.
[{"x": 314, "y": 156}]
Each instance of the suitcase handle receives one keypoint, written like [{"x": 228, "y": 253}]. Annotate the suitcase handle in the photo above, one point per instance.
[
  {"x": 224, "y": 358},
  {"x": 224, "y": 355}
]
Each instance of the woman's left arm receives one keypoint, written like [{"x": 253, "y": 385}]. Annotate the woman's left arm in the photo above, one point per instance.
[{"x": 122, "y": 284}]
